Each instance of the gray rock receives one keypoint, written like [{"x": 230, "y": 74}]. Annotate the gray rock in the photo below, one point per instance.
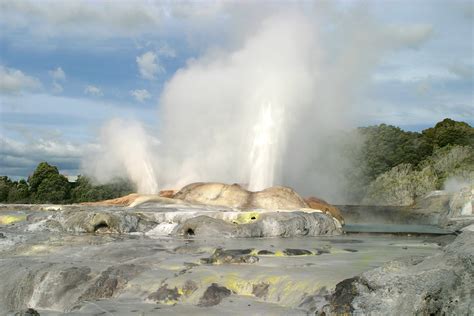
[
  {"x": 207, "y": 227},
  {"x": 297, "y": 252},
  {"x": 265, "y": 252},
  {"x": 27, "y": 312},
  {"x": 437, "y": 285},
  {"x": 260, "y": 290},
  {"x": 165, "y": 295},
  {"x": 214, "y": 295},
  {"x": 275, "y": 224},
  {"x": 111, "y": 281},
  {"x": 221, "y": 256},
  {"x": 100, "y": 222},
  {"x": 189, "y": 287}
]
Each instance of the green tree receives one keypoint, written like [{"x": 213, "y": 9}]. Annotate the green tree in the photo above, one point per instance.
[
  {"x": 452, "y": 161},
  {"x": 19, "y": 192},
  {"x": 449, "y": 132},
  {"x": 47, "y": 185},
  {"x": 383, "y": 148},
  {"x": 53, "y": 189},
  {"x": 5, "y": 185},
  {"x": 85, "y": 191},
  {"x": 42, "y": 172}
]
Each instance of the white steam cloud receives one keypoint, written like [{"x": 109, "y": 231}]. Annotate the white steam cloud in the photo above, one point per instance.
[
  {"x": 263, "y": 113},
  {"x": 125, "y": 151}
]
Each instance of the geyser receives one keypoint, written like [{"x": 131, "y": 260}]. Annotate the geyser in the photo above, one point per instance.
[
  {"x": 225, "y": 116},
  {"x": 265, "y": 147},
  {"x": 126, "y": 149},
  {"x": 263, "y": 110}
]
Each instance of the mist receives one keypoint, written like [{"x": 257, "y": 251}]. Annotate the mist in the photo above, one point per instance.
[
  {"x": 126, "y": 151},
  {"x": 266, "y": 111}
]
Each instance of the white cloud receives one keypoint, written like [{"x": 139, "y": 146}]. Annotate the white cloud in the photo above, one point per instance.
[
  {"x": 57, "y": 74},
  {"x": 149, "y": 65},
  {"x": 93, "y": 90},
  {"x": 105, "y": 18},
  {"x": 14, "y": 81},
  {"x": 140, "y": 94}
]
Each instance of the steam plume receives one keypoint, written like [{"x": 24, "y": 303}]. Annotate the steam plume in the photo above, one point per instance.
[
  {"x": 125, "y": 151},
  {"x": 263, "y": 112}
]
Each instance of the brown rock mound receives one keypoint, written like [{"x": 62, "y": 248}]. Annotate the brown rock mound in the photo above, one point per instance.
[
  {"x": 231, "y": 195},
  {"x": 324, "y": 206},
  {"x": 214, "y": 194},
  {"x": 124, "y": 200},
  {"x": 128, "y": 199},
  {"x": 167, "y": 193},
  {"x": 236, "y": 196}
]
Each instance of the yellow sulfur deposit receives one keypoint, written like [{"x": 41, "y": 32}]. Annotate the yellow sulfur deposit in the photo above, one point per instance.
[
  {"x": 9, "y": 219},
  {"x": 246, "y": 217}
]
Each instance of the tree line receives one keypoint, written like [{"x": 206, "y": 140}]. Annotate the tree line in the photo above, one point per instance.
[
  {"x": 47, "y": 185},
  {"x": 396, "y": 167}
]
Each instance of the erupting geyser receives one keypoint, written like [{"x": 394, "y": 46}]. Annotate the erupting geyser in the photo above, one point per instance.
[
  {"x": 265, "y": 147},
  {"x": 126, "y": 147},
  {"x": 262, "y": 111}
]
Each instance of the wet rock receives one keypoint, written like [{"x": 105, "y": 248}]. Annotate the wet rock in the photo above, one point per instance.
[
  {"x": 189, "y": 249},
  {"x": 207, "y": 226},
  {"x": 214, "y": 295},
  {"x": 265, "y": 252},
  {"x": 165, "y": 295},
  {"x": 314, "y": 304},
  {"x": 100, "y": 222},
  {"x": 297, "y": 252},
  {"x": 324, "y": 206},
  {"x": 322, "y": 251},
  {"x": 341, "y": 300},
  {"x": 435, "y": 285},
  {"x": 221, "y": 256},
  {"x": 27, "y": 312},
  {"x": 353, "y": 250},
  {"x": 260, "y": 290},
  {"x": 2, "y": 235},
  {"x": 111, "y": 281},
  {"x": 45, "y": 284},
  {"x": 274, "y": 224},
  {"x": 189, "y": 287}
]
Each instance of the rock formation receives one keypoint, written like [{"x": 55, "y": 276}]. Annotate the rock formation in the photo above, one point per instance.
[
  {"x": 237, "y": 197},
  {"x": 437, "y": 285},
  {"x": 324, "y": 206}
]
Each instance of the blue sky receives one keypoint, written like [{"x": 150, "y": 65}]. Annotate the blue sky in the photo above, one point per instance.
[{"x": 69, "y": 66}]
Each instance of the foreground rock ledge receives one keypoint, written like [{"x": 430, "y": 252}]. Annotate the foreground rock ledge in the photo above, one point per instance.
[
  {"x": 214, "y": 209},
  {"x": 438, "y": 285}
]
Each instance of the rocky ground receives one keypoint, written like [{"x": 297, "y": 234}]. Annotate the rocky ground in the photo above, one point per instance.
[
  {"x": 169, "y": 256},
  {"x": 442, "y": 284}
]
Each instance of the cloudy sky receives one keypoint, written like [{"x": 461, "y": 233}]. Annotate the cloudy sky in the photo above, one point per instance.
[{"x": 67, "y": 67}]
